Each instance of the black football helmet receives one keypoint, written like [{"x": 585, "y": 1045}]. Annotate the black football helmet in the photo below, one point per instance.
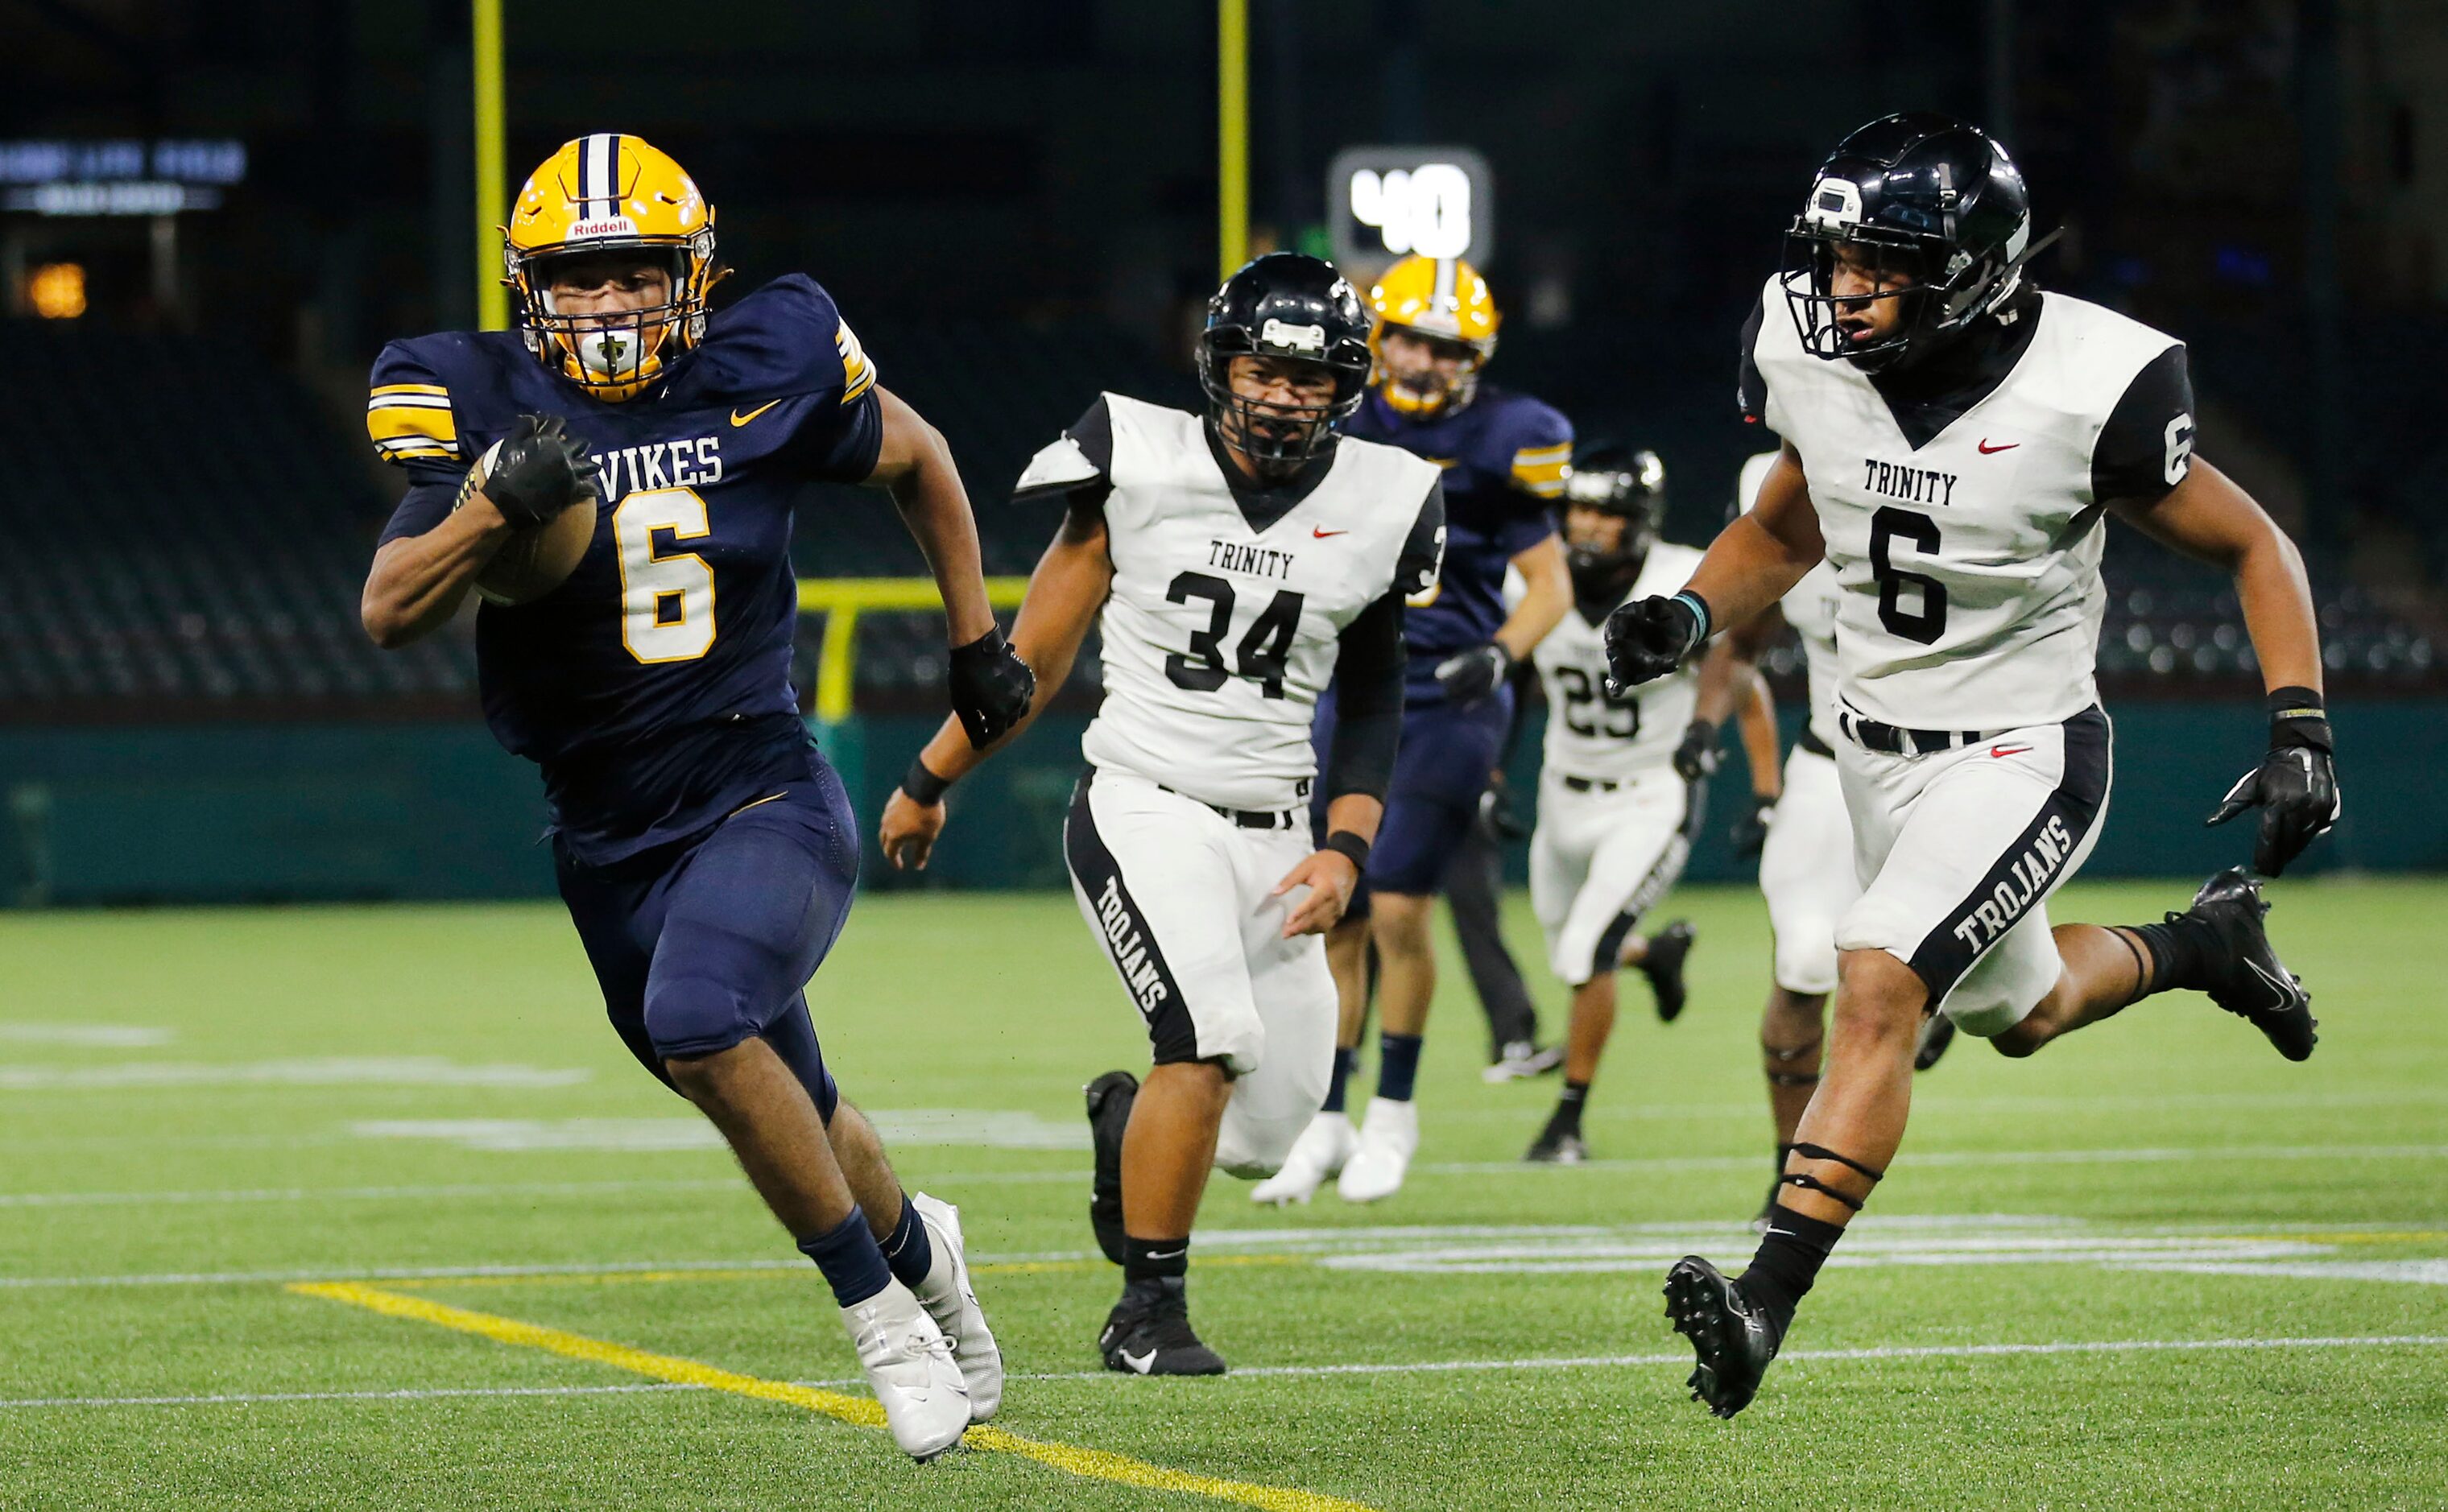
[
  {"x": 1289, "y": 305},
  {"x": 1629, "y": 485},
  {"x": 1920, "y": 195}
]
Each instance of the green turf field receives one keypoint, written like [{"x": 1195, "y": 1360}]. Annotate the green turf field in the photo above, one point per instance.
[{"x": 2155, "y": 1266}]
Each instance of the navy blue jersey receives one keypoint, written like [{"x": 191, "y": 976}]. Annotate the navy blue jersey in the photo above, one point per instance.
[
  {"x": 654, "y": 686},
  {"x": 1505, "y": 456}
]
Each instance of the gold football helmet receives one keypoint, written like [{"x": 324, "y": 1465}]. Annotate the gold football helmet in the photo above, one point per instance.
[
  {"x": 610, "y": 193},
  {"x": 1443, "y": 298}
]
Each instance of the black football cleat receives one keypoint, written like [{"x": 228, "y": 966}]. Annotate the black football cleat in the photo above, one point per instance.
[
  {"x": 1732, "y": 1339},
  {"x": 2245, "y": 977},
  {"x": 1663, "y": 966},
  {"x": 1936, "y": 1036},
  {"x": 1557, "y": 1147},
  {"x": 1109, "y": 1112},
  {"x": 1140, "y": 1340}
]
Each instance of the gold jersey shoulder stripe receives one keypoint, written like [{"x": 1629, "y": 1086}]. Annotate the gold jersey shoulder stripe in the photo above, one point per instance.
[
  {"x": 397, "y": 423},
  {"x": 858, "y": 374}
]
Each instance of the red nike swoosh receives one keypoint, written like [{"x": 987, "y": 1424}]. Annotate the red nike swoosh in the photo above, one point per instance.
[
  {"x": 2008, "y": 750},
  {"x": 1986, "y": 450},
  {"x": 1322, "y": 534}
]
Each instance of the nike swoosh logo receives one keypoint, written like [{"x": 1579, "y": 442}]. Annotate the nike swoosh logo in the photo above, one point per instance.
[
  {"x": 2008, "y": 750},
  {"x": 2286, "y": 994},
  {"x": 1166, "y": 1255},
  {"x": 1987, "y": 450},
  {"x": 1138, "y": 1362},
  {"x": 1322, "y": 534},
  {"x": 739, "y": 419}
]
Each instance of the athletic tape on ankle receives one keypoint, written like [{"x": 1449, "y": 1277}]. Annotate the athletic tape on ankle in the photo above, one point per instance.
[{"x": 1821, "y": 1152}]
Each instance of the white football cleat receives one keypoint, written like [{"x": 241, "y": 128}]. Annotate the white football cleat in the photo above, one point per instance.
[
  {"x": 1319, "y": 1153},
  {"x": 909, "y": 1363},
  {"x": 1387, "y": 1140},
  {"x": 948, "y": 1299}
]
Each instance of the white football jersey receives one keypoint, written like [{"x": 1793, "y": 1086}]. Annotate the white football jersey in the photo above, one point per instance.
[
  {"x": 1967, "y": 567},
  {"x": 1809, "y": 606},
  {"x": 1616, "y": 740},
  {"x": 1218, "y": 635}
]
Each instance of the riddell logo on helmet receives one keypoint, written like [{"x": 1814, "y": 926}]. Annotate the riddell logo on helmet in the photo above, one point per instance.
[{"x": 615, "y": 227}]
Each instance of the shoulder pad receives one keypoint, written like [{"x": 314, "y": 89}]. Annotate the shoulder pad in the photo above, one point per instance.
[
  {"x": 410, "y": 415},
  {"x": 787, "y": 338}
]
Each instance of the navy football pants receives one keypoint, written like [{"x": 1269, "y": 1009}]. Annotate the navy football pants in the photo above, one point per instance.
[
  {"x": 1439, "y": 771},
  {"x": 702, "y": 944}
]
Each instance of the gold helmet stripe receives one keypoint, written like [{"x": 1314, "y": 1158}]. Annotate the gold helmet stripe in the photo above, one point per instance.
[{"x": 1443, "y": 300}]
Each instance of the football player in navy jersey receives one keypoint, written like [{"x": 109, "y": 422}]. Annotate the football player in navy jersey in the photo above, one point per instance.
[
  {"x": 1505, "y": 457},
  {"x": 706, "y": 851}
]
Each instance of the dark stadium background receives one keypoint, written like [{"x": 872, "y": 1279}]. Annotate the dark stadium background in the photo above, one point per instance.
[{"x": 1014, "y": 201}]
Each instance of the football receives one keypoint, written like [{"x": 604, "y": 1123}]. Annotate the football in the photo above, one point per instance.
[{"x": 535, "y": 561}]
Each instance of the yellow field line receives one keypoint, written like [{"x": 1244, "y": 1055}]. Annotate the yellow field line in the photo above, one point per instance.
[
  {"x": 783, "y": 1272},
  {"x": 1097, "y": 1464}
]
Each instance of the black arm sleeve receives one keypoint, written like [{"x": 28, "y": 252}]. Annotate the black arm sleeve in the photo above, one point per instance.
[
  {"x": 1368, "y": 662},
  {"x": 1751, "y": 390},
  {"x": 2147, "y": 446}
]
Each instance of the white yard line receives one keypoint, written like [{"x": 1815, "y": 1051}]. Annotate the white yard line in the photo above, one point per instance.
[
  {"x": 1581, "y": 1362},
  {"x": 2146, "y": 1155},
  {"x": 358, "y": 1193}
]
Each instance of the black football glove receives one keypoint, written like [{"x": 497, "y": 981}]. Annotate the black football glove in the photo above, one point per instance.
[
  {"x": 2296, "y": 785},
  {"x": 1749, "y": 832},
  {"x": 1470, "y": 675},
  {"x": 1648, "y": 638},
  {"x": 991, "y": 688},
  {"x": 1496, "y": 813},
  {"x": 1697, "y": 759},
  {"x": 536, "y": 472}
]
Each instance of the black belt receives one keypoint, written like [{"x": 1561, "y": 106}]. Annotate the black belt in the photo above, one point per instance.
[
  {"x": 1896, "y": 740},
  {"x": 1248, "y": 819},
  {"x": 1592, "y": 784},
  {"x": 1811, "y": 743}
]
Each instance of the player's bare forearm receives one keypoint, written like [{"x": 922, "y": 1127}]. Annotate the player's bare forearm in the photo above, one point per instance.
[
  {"x": 1064, "y": 595},
  {"x": 914, "y": 464},
  {"x": 1758, "y": 724},
  {"x": 1549, "y": 586},
  {"x": 1359, "y": 812},
  {"x": 1329, "y": 873},
  {"x": 417, "y": 582},
  {"x": 1758, "y": 558},
  {"x": 2209, "y": 518}
]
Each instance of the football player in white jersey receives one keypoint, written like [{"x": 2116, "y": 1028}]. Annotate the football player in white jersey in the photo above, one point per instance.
[
  {"x": 1235, "y": 563},
  {"x": 1616, "y": 817},
  {"x": 1953, "y": 437},
  {"x": 1798, "y": 827}
]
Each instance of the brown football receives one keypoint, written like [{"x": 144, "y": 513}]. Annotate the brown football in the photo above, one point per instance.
[{"x": 534, "y": 562}]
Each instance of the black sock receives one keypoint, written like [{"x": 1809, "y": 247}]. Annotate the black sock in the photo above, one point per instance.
[
  {"x": 1346, "y": 1066},
  {"x": 2181, "y": 951},
  {"x": 1154, "y": 1270},
  {"x": 1567, "y": 1117},
  {"x": 909, "y": 1251},
  {"x": 1398, "y": 1065},
  {"x": 1788, "y": 1261},
  {"x": 851, "y": 1259}
]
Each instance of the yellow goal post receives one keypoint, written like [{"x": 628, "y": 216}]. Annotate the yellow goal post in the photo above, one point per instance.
[{"x": 841, "y": 601}]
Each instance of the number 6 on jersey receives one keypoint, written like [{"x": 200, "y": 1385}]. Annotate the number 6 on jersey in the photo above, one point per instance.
[{"x": 666, "y": 597}]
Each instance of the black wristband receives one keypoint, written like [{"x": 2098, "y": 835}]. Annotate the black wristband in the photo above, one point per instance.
[
  {"x": 1700, "y": 609},
  {"x": 923, "y": 787},
  {"x": 1346, "y": 843},
  {"x": 2299, "y": 716}
]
